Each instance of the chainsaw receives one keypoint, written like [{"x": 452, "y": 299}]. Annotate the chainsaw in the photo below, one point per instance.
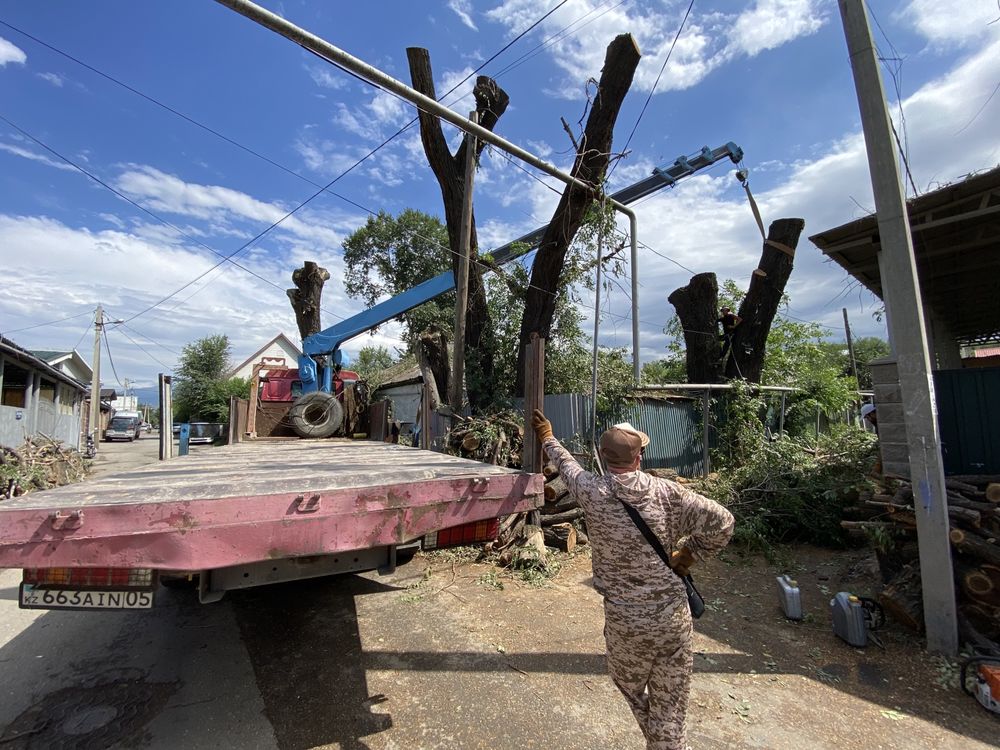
[{"x": 987, "y": 681}]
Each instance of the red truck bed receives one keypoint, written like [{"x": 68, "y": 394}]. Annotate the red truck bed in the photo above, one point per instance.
[{"x": 257, "y": 501}]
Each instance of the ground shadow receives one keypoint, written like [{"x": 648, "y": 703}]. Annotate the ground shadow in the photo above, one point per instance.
[
  {"x": 306, "y": 652},
  {"x": 744, "y": 614}
]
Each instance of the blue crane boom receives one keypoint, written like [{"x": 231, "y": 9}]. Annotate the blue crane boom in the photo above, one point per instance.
[{"x": 328, "y": 341}]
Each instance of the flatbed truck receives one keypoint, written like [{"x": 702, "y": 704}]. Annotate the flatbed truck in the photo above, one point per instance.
[{"x": 244, "y": 515}]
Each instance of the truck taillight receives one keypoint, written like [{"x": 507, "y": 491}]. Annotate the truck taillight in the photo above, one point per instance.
[
  {"x": 468, "y": 533},
  {"x": 125, "y": 577}
]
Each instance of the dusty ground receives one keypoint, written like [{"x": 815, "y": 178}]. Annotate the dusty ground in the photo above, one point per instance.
[{"x": 450, "y": 659}]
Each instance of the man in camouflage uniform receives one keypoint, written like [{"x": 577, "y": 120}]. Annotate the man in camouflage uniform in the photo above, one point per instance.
[{"x": 647, "y": 624}]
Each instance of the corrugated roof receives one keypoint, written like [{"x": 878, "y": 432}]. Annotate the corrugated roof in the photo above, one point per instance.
[{"x": 21, "y": 354}]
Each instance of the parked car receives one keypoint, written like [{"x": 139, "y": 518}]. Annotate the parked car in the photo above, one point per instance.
[{"x": 122, "y": 428}]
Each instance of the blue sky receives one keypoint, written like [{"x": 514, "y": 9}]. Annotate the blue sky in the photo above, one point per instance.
[{"x": 770, "y": 75}]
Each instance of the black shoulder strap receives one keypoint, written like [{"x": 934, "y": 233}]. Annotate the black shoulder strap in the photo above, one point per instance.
[{"x": 647, "y": 532}]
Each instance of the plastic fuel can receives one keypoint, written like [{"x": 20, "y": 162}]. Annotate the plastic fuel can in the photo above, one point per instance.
[
  {"x": 849, "y": 619},
  {"x": 789, "y": 597}
]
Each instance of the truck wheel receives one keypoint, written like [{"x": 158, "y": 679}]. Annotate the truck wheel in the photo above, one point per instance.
[{"x": 316, "y": 415}]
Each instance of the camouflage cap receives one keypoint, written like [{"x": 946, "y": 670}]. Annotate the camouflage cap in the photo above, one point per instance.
[{"x": 622, "y": 444}]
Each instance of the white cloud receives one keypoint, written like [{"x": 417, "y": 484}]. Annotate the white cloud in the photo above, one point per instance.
[
  {"x": 53, "y": 78},
  {"x": 942, "y": 22},
  {"x": 707, "y": 41},
  {"x": 25, "y": 153},
  {"x": 346, "y": 119},
  {"x": 168, "y": 193},
  {"x": 327, "y": 77},
  {"x": 9, "y": 53},
  {"x": 463, "y": 9}
]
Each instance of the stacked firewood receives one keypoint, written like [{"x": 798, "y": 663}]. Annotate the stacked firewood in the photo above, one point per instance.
[
  {"x": 493, "y": 439},
  {"x": 40, "y": 463},
  {"x": 974, "y": 515},
  {"x": 563, "y": 524}
]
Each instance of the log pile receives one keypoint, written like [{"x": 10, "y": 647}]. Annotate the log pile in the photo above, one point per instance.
[
  {"x": 39, "y": 464},
  {"x": 974, "y": 514},
  {"x": 493, "y": 439},
  {"x": 563, "y": 524}
]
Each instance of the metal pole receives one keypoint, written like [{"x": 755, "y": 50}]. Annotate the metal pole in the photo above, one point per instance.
[
  {"x": 597, "y": 328},
  {"x": 908, "y": 333},
  {"x": 706, "y": 406},
  {"x": 359, "y": 67},
  {"x": 462, "y": 282},
  {"x": 95, "y": 380}
]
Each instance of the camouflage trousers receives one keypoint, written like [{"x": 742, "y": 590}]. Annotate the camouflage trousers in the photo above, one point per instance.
[{"x": 649, "y": 658}]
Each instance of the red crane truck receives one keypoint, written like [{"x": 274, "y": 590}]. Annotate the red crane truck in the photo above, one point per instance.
[{"x": 245, "y": 515}]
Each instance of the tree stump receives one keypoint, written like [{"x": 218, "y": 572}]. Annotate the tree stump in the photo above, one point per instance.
[{"x": 562, "y": 536}]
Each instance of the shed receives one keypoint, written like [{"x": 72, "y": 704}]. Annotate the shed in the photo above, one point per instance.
[
  {"x": 37, "y": 398},
  {"x": 402, "y": 385},
  {"x": 956, "y": 242}
]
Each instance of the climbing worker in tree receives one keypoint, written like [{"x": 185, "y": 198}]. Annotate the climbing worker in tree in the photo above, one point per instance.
[
  {"x": 647, "y": 619},
  {"x": 729, "y": 321}
]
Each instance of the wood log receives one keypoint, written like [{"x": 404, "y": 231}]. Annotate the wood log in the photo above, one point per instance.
[
  {"x": 550, "y": 471},
  {"x": 979, "y": 480},
  {"x": 903, "y": 600},
  {"x": 972, "y": 517},
  {"x": 581, "y": 537},
  {"x": 562, "y": 536},
  {"x": 974, "y": 546},
  {"x": 569, "y": 515},
  {"x": 970, "y": 634},
  {"x": 555, "y": 489},
  {"x": 993, "y": 492},
  {"x": 982, "y": 585},
  {"x": 961, "y": 501},
  {"x": 563, "y": 504},
  {"x": 962, "y": 487}
]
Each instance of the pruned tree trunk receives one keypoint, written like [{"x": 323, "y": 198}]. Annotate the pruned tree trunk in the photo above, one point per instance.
[
  {"x": 767, "y": 285},
  {"x": 434, "y": 363},
  {"x": 697, "y": 306},
  {"x": 491, "y": 102},
  {"x": 593, "y": 155},
  {"x": 307, "y": 296}
]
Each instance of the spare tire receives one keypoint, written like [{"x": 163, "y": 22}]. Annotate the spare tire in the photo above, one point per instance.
[{"x": 316, "y": 415}]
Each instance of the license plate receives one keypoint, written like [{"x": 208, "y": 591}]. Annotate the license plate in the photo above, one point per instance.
[{"x": 38, "y": 597}]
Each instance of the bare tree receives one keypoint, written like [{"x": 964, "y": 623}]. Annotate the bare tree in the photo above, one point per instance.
[
  {"x": 448, "y": 168},
  {"x": 697, "y": 308},
  {"x": 591, "y": 164}
]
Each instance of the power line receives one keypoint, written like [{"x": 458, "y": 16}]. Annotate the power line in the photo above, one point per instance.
[
  {"x": 142, "y": 208},
  {"x": 119, "y": 330},
  {"x": 46, "y": 323},
  {"x": 107, "y": 347},
  {"x": 653, "y": 89}
]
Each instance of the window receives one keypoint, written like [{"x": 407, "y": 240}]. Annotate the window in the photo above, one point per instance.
[
  {"x": 47, "y": 392},
  {"x": 15, "y": 383}
]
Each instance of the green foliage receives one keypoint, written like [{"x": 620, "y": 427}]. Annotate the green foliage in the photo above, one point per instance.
[
  {"x": 389, "y": 255},
  {"x": 666, "y": 370},
  {"x": 200, "y": 389},
  {"x": 370, "y": 363},
  {"x": 795, "y": 489}
]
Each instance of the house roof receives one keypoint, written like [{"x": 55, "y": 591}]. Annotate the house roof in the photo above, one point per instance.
[
  {"x": 108, "y": 394},
  {"x": 20, "y": 354},
  {"x": 253, "y": 358},
  {"x": 956, "y": 242},
  {"x": 49, "y": 356},
  {"x": 57, "y": 357}
]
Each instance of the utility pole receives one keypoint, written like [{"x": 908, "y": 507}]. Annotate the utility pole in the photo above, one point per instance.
[
  {"x": 904, "y": 308},
  {"x": 462, "y": 282},
  {"x": 850, "y": 346},
  {"x": 95, "y": 380}
]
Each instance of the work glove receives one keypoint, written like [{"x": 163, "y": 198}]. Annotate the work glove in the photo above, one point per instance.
[
  {"x": 681, "y": 561},
  {"x": 541, "y": 426}
]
